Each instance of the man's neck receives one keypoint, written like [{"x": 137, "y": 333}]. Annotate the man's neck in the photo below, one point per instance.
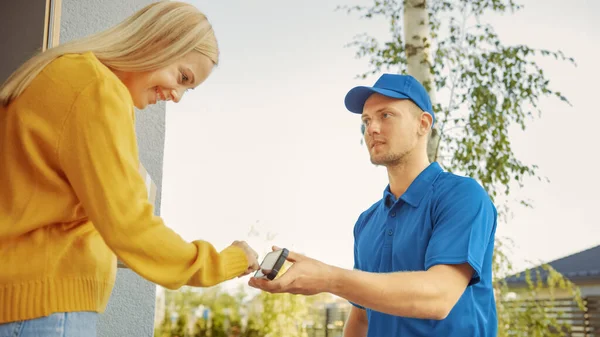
[{"x": 403, "y": 174}]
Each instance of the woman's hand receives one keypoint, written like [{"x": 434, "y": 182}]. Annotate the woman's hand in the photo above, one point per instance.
[{"x": 251, "y": 255}]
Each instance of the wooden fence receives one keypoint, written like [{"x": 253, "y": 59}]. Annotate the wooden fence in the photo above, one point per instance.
[
  {"x": 582, "y": 323},
  {"x": 576, "y": 322}
]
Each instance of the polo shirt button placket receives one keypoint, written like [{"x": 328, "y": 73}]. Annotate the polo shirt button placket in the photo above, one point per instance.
[{"x": 390, "y": 231}]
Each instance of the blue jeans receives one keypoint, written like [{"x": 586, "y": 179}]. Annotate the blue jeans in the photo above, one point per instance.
[{"x": 70, "y": 324}]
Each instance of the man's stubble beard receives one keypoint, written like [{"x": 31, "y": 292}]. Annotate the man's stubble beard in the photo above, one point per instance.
[{"x": 391, "y": 159}]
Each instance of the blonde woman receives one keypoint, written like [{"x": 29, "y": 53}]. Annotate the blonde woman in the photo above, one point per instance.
[{"x": 71, "y": 197}]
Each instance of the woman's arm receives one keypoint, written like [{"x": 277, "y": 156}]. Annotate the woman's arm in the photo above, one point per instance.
[{"x": 99, "y": 156}]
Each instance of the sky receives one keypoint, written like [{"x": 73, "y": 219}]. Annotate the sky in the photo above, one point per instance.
[{"x": 266, "y": 141}]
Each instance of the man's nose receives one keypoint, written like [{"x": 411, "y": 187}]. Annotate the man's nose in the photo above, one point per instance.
[{"x": 373, "y": 127}]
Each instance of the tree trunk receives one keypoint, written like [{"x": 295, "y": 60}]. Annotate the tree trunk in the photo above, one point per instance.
[{"x": 417, "y": 39}]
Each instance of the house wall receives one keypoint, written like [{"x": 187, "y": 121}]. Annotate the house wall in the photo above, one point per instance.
[
  {"x": 27, "y": 18},
  {"x": 130, "y": 311}
]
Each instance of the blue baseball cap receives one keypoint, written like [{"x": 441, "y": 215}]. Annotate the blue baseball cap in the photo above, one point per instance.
[{"x": 393, "y": 86}]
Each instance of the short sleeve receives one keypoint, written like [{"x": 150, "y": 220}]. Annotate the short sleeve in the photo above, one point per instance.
[
  {"x": 357, "y": 266},
  {"x": 464, "y": 220}
]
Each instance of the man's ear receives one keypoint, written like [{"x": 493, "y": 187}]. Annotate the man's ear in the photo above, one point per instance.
[{"x": 425, "y": 123}]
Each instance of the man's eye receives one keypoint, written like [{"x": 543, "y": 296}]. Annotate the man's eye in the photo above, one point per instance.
[
  {"x": 184, "y": 78},
  {"x": 386, "y": 114}
]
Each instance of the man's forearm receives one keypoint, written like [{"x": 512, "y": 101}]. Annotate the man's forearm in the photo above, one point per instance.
[
  {"x": 357, "y": 323},
  {"x": 407, "y": 294},
  {"x": 355, "y": 329}
]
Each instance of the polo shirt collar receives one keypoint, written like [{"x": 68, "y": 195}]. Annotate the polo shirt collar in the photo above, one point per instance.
[{"x": 417, "y": 189}]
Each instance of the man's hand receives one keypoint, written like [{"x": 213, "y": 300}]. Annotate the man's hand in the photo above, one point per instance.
[
  {"x": 427, "y": 294},
  {"x": 251, "y": 255},
  {"x": 306, "y": 277}
]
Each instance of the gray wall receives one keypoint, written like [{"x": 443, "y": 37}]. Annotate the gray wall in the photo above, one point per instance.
[
  {"x": 26, "y": 17},
  {"x": 130, "y": 311}
]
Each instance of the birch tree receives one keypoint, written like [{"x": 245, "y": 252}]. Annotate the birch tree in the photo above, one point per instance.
[
  {"x": 488, "y": 87},
  {"x": 418, "y": 57}
]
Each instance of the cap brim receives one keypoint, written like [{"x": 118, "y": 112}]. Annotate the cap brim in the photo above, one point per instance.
[{"x": 356, "y": 97}]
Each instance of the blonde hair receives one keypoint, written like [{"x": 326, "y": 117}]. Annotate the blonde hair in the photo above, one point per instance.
[{"x": 150, "y": 39}]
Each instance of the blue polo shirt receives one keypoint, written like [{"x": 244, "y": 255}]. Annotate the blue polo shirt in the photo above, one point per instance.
[{"x": 442, "y": 218}]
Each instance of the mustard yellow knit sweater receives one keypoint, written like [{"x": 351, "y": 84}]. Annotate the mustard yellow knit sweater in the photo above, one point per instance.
[{"x": 72, "y": 199}]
